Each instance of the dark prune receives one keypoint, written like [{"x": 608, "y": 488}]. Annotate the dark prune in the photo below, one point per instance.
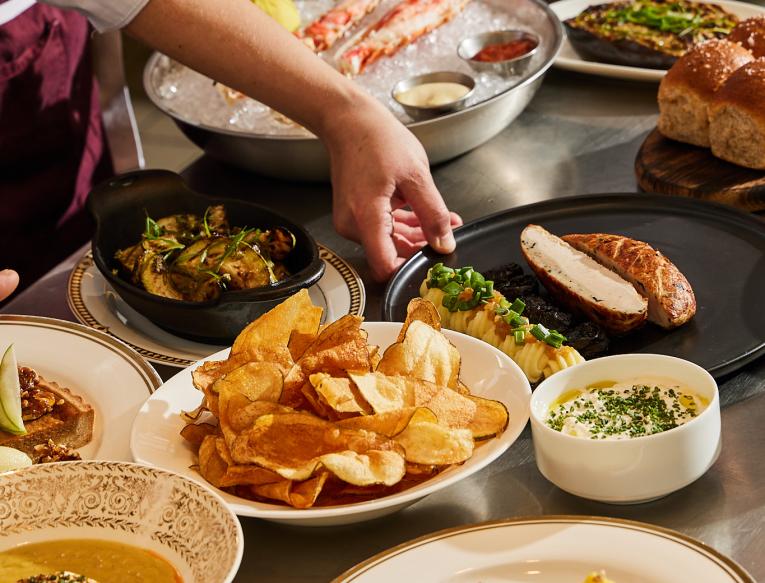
[
  {"x": 540, "y": 311},
  {"x": 511, "y": 282},
  {"x": 588, "y": 338}
]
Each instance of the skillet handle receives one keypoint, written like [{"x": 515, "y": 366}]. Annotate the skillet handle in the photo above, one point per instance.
[{"x": 119, "y": 192}]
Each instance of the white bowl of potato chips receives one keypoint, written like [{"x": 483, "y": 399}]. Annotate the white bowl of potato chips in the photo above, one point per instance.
[{"x": 326, "y": 425}]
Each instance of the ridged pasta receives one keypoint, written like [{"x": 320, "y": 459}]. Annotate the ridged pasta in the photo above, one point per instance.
[{"x": 536, "y": 359}]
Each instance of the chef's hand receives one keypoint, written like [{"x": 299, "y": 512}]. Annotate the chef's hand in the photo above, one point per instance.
[
  {"x": 9, "y": 279},
  {"x": 378, "y": 168}
]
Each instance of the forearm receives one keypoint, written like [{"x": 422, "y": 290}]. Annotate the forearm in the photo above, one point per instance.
[{"x": 237, "y": 44}]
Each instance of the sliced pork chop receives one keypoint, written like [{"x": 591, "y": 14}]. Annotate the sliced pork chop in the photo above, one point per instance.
[
  {"x": 582, "y": 284},
  {"x": 671, "y": 301}
]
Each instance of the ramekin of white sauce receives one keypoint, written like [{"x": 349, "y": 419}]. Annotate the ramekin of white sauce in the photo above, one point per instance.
[{"x": 626, "y": 428}]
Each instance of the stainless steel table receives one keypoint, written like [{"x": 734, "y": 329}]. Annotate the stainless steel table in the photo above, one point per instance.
[{"x": 579, "y": 135}]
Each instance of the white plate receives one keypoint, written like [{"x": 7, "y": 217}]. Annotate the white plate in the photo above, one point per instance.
[
  {"x": 569, "y": 59},
  {"x": 487, "y": 371},
  {"x": 552, "y": 549},
  {"x": 107, "y": 374},
  {"x": 94, "y": 302}
]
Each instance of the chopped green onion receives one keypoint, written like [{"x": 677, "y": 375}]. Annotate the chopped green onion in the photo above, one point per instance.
[
  {"x": 555, "y": 339},
  {"x": 520, "y": 336},
  {"x": 539, "y": 332},
  {"x": 518, "y": 306},
  {"x": 452, "y": 288}
]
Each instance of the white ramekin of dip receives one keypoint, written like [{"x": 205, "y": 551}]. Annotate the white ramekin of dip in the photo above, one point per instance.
[{"x": 627, "y": 470}]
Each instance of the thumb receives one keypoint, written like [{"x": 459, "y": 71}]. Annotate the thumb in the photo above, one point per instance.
[{"x": 9, "y": 279}]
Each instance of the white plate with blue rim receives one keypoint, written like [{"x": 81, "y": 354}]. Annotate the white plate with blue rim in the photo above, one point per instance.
[{"x": 340, "y": 291}]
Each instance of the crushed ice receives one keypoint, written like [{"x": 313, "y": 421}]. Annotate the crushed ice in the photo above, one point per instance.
[{"x": 193, "y": 97}]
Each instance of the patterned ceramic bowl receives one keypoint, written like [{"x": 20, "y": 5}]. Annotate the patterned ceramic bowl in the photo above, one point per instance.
[{"x": 182, "y": 521}]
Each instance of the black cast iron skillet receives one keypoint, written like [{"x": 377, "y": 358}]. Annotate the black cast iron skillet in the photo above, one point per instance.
[{"x": 120, "y": 207}]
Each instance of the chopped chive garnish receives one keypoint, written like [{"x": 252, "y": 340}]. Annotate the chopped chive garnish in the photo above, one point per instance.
[{"x": 539, "y": 332}]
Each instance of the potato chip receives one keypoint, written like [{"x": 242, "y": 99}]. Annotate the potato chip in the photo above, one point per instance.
[
  {"x": 239, "y": 393},
  {"x": 195, "y": 433},
  {"x": 211, "y": 464},
  {"x": 484, "y": 418},
  {"x": 299, "y": 342},
  {"x": 372, "y": 467},
  {"x": 217, "y": 467},
  {"x": 208, "y": 373},
  {"x": 256, "y": 381},
  {"x": 390, "y": 423},
  {"x": 452, "y": 409},
  {"x": 274, "y": 328},
  {"x": 390, "y": 393},
  {"x": 315, "y": 404},
  {"x": 432, "y": 444},
  {"x": 424, "y": 354},
  {"x": 383, "y": 392},
  {"x": 374, "y": 356},
  {"x": 491, "y": 418},
  {"x": 292, "y": 444},
  {"x": 421, "y": 310},
  {"x": 336, "y": 393},
  {"x": 339, "y": 347},
  {"x": 296, "y": 494},
  {"x": 312, "y": 415}
]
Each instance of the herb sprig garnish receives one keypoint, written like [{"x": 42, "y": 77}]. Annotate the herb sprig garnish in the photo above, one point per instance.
[{"x": 672, "y": 17}]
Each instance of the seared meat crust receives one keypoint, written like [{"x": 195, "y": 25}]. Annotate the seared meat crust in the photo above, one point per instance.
[{"x": 671, "y": 301}]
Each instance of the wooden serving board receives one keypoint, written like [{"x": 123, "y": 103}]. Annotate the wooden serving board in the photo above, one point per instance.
[{"x": 668, "y": 167}]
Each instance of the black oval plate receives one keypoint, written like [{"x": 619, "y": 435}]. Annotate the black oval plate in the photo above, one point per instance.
[{"x": 720, "y": 250}]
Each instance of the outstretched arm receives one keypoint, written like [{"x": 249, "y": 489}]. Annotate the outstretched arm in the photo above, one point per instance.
[{"x": 378, "y": 166}]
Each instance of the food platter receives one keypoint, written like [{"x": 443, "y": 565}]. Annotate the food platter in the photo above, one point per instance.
[
  {"x": 156, "y": 440},
  {"x": 443, "y": 137},
  {"x": 569, "y": 59},
  {"x": 551, "y": 549},
  {"x": 94, "y": 303},
  {"x": 110, "y": 376},
  {"x": 719, "y": 249}
]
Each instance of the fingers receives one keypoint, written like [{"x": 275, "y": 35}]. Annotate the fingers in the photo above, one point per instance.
[
  {"x": 406, "y": 247},
  {"x": 376, "y": 230},
  {"x": 426, "y": 202},
  {"x": 407, "y": 217},
  {"x": 414, "y": 233},
  {"x": 9, "y": 279}
]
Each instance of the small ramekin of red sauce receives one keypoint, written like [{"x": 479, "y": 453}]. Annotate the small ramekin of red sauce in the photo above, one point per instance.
[{"x": 506, "y": 52}]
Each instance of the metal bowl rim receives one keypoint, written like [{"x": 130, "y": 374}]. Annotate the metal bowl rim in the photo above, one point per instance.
[
  {"x": 526, "y": 55},
  {"x": 552, "y": 18},
  {"x": 434, "y": 108}
]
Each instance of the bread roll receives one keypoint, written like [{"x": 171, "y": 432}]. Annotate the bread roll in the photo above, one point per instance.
[
  {"x": 737, "y": 117},
  {"x": 750, "y": 34},
  {"x": 688, "y": 87}
]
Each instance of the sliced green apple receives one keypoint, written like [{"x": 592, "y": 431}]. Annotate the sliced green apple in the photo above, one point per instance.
[
  {"x": 13, "y": 459},
  {"x": 10, "y": 394}
]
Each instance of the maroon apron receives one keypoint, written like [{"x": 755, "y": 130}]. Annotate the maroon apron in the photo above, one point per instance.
[{"x": 52, "y": 147}]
